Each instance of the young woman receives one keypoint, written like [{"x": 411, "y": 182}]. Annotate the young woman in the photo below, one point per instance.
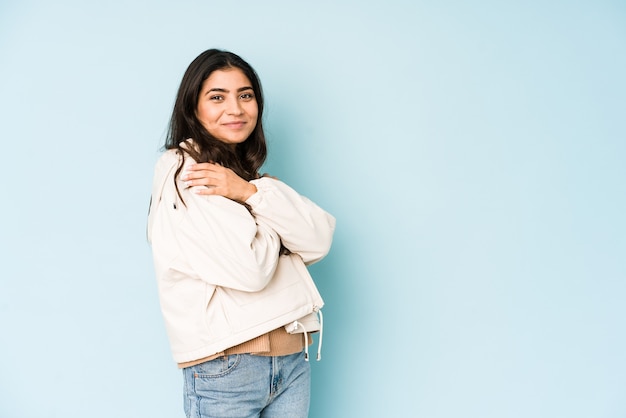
[{"x": 230, "y": 248}]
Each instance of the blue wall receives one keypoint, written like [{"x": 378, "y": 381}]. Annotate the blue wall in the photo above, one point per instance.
[{"x": 473, "y": 155}]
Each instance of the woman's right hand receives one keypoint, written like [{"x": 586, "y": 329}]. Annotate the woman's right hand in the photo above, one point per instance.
[{"x": 217, "y": 180}]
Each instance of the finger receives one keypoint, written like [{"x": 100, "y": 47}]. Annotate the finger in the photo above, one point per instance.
[
  {"x": 205, "y": 181},
  {"x": 203, "y": 190},
  {"x": 195, "y": 175},
  {"x": 199, "y": 166},
  {"x": 198, "y": 171}
]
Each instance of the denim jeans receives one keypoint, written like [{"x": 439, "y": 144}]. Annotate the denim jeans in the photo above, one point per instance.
[{"x": 246, "y": 386}]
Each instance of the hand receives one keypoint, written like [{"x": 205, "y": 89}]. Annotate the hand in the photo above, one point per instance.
[{"x": 217, "y": 180}]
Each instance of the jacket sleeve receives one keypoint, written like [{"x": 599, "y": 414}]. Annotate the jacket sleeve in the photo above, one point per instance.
[
  {"x": 212, "y": 238},
  {"x": 303, "y": 227}
]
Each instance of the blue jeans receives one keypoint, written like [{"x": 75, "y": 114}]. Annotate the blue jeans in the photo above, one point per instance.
[{"x": 246, "y": 386}]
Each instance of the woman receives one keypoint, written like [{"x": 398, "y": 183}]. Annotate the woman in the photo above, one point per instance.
[{"x": 230, "y": 248}]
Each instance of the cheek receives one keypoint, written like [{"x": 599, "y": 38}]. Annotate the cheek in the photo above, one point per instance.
[
  {"x": 205, "y": 115},
  {"x": 255, "y": 117},
  {"x": 254, "y": 112}
]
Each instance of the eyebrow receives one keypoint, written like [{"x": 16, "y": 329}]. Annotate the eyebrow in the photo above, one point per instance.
[{"x": 222, "y": 90}]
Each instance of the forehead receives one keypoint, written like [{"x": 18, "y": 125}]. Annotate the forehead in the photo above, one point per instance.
[{"x": 227, "y": 78}]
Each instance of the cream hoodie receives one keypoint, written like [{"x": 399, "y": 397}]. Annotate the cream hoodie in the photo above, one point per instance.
[{"x": 221, "y": 280}]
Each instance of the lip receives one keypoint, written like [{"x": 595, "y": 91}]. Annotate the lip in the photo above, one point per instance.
[{"x": 234, "y": 125}]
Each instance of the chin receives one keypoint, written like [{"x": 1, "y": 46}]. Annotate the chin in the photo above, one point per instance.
[{"x": 229, "y": 139}]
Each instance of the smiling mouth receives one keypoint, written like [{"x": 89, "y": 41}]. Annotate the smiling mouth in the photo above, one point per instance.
[{"x": 235, "y": 125}]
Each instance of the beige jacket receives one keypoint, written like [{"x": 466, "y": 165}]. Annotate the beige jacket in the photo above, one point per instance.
[{"x": 220, "y": 277}]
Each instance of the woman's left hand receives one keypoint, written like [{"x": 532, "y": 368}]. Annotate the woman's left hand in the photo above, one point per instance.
[{"x": 218, "y": 180}]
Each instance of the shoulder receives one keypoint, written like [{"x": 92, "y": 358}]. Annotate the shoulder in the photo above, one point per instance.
[
  {"x": 166, "y": 161},
  {"x": 175, "y": 155}
]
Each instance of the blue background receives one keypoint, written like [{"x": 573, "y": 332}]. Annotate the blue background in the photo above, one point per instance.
[{"x": 472, "y": 152}]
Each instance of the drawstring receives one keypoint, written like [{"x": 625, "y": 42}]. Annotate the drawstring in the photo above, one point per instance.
[
  {"x": 297, "y": 324},
  {"x": 319, "y": 342}
]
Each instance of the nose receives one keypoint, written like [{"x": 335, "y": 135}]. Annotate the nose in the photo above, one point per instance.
[{"x": 234, "y": 107}]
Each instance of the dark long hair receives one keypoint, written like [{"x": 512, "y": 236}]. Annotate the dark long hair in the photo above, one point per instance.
[{"x": 247, "y": 157}]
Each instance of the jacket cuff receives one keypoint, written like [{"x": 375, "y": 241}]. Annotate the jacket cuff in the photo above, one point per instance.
[{"x": 256, "y": 198}]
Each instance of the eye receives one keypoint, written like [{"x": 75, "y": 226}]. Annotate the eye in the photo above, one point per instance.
[
  {"x": 247, "y": 96},
  {"x": 216, "y": 98}
]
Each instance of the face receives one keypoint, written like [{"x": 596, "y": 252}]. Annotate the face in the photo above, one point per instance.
[{"x": 227, "y": 106}]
